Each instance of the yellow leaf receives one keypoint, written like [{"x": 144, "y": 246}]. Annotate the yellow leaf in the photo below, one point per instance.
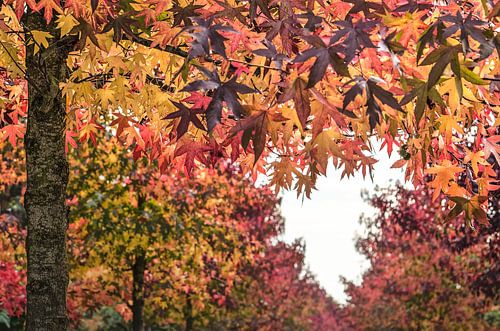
[
  {"x": 66, "y": 23},
  {"x": 41, "y": 39},
  {"x": 106, "y": 96},
  {"x": 453, "y": 97},
  {"x": 105, "y": 40},
  {"x": 447, "y": 125}
]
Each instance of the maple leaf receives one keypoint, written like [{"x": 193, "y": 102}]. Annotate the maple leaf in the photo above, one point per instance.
[
  {"x": 301, "y": 100},
  {"x": 48, "y": 6},
  {"x": 444, "y": 178},
  {"x": 475, "y": 159},
  {"x": 187, "y": 115},
  {"x": 193, "y": 151},
  {"x": 411, "y": 23},
  {"x": 41, "y": 39},
  {"x": 328, "y": 110},
  {"x": 70, "y": 135},
  {"x": 12, "y": 132},
  {"x": 469, "y": 27},
  {"x": 413, "y": 6},
  {"x": 389, "y": 142},
  {"x": 122, "y": 26},
  {"x": 271, "y": 53},
  {"x": 313, "y": 21},
  {"x": 198, "y": 100},
  {"x": 423, "y": 95},
  {"x": 86, "y": 31},
  {"x": 449, "y": 123},
  {"x": 222, "y": 91},
  {"x": 440, "y": 57},
  {"x": 263, "y": 5},
  {"x": 491, "y": 147},
  {"x": 472, "y": 208},
  {"x": 355, "y": 37},
  {"x": 366, "y": 7},
  {"x": 184, "y": 14},
  {"x": 287, "y": 28},
  {"x": 106, "y": 97},
  {"x": 255, "y": 127},
  {"x": 240, "y": 68},
  {"x": 324, "y": 146},
  {"x": 231, "y": 12},
  {"x": 373, "y": 92},
  {"x": 66, "y": 23},
  {"x": 325, "y": 56},
  {"x": 203, "y": 33},
  {"x": 123, "y": 123}
]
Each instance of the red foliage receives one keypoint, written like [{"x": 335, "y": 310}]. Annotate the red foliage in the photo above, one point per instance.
[
  {"x": 426, "y": 273},
  {"x": 12, "y": 290}
]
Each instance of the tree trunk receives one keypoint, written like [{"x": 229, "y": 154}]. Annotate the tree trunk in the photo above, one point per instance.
[
  {"x": 47, "y": 171},
  {"x": 138, "y": 293},
  {"x": 188, "y": 313}
]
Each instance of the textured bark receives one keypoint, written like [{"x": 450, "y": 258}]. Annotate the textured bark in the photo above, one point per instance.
[
  {"x": 138, "y": 293},
  {"x": 47, "y": 170}
]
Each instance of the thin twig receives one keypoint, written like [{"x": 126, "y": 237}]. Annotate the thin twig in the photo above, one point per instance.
[{"x": 254, "y": 64}]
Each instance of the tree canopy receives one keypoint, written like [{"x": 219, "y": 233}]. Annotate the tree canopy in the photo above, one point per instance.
[
  {"x": 306, "y": 82},
  {"x": 282, "y": 87}
]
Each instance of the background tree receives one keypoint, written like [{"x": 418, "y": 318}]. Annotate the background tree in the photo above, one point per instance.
[
  {"x": 12, "y": 259},
  {"x": 307, "y": 81},
  {"x": 277, "y": 292},
  {"x": 426, "y": 273},
  {"x": 209, "y": 247},
  {"x": 165, "y": 242}
]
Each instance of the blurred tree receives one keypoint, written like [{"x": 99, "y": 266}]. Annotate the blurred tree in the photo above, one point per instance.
[
  {"x": 428, "y": 272},
  {"x": 169, "y": 252}
]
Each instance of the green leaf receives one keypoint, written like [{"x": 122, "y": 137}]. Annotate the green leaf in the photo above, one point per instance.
[
  {"x": 185, "y": 70},
  {"x": 435, "y": 55},
  {"x": 455, "y": 67},
  {"x": 470, "y": 76},
  {"x": 435, "y": 96},
  {"x": 339, "y": 65},
  {"x": 4, "y": 318},
  {"x": 459, "y": 200}
]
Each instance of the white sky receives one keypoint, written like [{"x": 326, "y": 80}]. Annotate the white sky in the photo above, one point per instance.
[{"x": 329, "y": 221}]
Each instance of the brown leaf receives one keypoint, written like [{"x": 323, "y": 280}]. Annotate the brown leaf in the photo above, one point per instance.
[{"x": 301, "y": 98}]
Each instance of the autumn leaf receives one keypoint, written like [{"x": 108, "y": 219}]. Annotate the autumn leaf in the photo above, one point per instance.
[
  {"x": 192, "y": 152},
  {"x": 448, "y": 125},
  {"x": 301, "y": 100},
  {"x": 444, "y": 178},
  {"x": 186, "y": 115},
  {"x": 12, "y": 132},
  {"x": 66, "y": 23},
  {"x": 41, "y": 39},
  {"x": 256, "y": 127},
  {"x": 49, "y": 7},
  {"x": 475, "y": 159}
]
